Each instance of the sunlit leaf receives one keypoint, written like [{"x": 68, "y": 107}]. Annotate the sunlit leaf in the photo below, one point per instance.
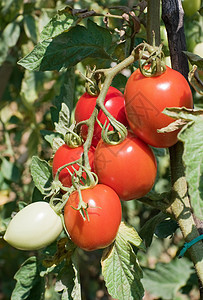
[
  {"x": 67, "y": 49},
  {"x": 64, "y": 20},
  {"x": 120, "y": 268},
  {"x": 192, "y": 137},
  {"x": 41, "y": 173}
]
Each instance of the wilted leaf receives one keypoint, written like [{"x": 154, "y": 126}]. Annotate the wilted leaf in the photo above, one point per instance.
[
  {"x": 195, "y": 80},
  {"x": 184, "y": 113},
  {"x": 195, "y": 59},
  {"x": 173, "y": 126},
  {"x": 67, "y": 49}
]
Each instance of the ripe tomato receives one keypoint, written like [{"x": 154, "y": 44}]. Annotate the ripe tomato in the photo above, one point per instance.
[
  {"x": 114, "y": 103},
  {"x": 34, "y": 227},
  {"x": 129, "y": 167},
  {"x": 104, "y": 211},
  {"x": 146, "y": 98},
  {"x": 65, "y": 155}
]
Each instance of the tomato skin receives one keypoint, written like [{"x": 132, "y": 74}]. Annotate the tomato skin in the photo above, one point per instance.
[
  {"x": 114, "y": 103},
  {"x": 65, "y": 155},
  {"x": 129, "y": 168},
  {"x": 104, "y": 218},
  {"x": 34, "y": 227},
  {"x": 146, "y": 98}
]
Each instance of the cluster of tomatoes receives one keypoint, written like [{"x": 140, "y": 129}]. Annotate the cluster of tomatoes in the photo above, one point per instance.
[{"x": 125, "y": 171}]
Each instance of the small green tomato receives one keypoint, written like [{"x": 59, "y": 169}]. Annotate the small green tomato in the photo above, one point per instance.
[{"x": 34, "y": 227}]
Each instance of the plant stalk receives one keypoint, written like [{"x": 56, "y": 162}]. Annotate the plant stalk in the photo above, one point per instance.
[
  {"x": 180, "y": 208},
  {"x": 153, "y": 21}
]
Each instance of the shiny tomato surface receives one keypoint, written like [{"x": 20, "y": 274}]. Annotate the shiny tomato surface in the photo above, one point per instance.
[
  {"x": 104, "y": 211},
  {"x": 114, "y": 103},
  {"x": 65, "y": 155},
  {"x": 146, "y": 98},
  {"x": 34, "y": 227},
  {"x": 129, "y": 168}
]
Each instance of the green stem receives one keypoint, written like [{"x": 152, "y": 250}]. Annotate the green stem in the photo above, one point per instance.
[
  {"x": 109, "y": 75},
  {"x": 153, "y": 21},
  {"x": 90, "y": 123}
]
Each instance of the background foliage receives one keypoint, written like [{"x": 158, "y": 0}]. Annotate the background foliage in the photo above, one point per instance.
[{"x": 30, "y": 100}]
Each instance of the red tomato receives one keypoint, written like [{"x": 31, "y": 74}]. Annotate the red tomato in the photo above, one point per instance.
[
  {"x": 65, "y": 155},
  {"x": 114, "y": 103},
  {"x": 129, "y": 167},
  {"x": 146, "y": 98},
  {"x": 104, "y": 211}
]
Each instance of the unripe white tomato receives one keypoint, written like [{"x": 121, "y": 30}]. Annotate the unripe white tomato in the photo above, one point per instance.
[{"x": 34, "y": 227}]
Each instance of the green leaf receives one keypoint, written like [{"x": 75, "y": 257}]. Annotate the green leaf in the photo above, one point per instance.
[
  {"x": 63, "y": 122},
  {"x": 30, "y": 27},
  {"x": 147, "y": 231},
  {"x": 64, "y": 20},
  {"x": 11, "y": 34},
  {"x": 10, "y": 171},
  {"x": 166, "y": 228},
  {"x": 166, "y": 279},
  {"x": 11, "y": 9},
  {"x": 194, "y": 59},
  {"x": 29, "y": 284},
  {"x": 67, "y": 91},
  {"x": 120, "y": 268},
  {"x": 129, "y": 234},
  {"x": 41, "y": 173},
  {"x": 8, "y": 39},
  {"x": 68, "y": 283},
  {"x": 192, "y": 137},
  {"x": 50, "y": 136},
  {"x": 69, "y": 48}
]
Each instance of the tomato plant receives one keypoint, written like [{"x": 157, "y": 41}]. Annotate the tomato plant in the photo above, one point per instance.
[
  {"x": 129, "y": 168},
  {"x": 114, "y": 103},
  {"x": 147, "y": 97},
  {"x": 65, "y": 155},
  {"x": 34, "y": 227},
  {"x": 104, "y": 211}
]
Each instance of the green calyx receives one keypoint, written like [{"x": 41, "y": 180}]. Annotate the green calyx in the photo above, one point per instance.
[
  {"x": 72, "y": 138},
  {"x": 154, "y": 64}
]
